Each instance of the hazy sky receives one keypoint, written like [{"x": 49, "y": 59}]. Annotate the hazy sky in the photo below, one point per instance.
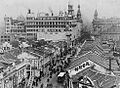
[{"x": 106, "y": 8}]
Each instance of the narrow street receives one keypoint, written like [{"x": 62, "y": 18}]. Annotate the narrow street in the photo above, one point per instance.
[{"x": 52, "y": 81}]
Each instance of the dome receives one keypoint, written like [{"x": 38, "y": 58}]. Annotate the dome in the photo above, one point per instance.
[{"x": 21, "y": 18}]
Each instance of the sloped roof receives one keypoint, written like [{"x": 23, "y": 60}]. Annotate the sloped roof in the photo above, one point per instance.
[
  {"x": 25, "y": 55},
  {"x": 14, "y": 43},
  {"x": 93, "y": 46},
  {"x": 97, "y": 59},
  {"x": 2, "y": 59},
  {"x": 8, "y": 55},
  {"x": 15, "y": 52},
  {"x": 99, "y": 79},
  {"x": 2, "y": 65}
]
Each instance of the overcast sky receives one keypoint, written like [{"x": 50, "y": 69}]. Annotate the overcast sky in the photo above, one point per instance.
[{"x": 106, "y": 8}]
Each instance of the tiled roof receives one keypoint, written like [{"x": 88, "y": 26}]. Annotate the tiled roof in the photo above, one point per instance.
[
  {"x": 15, "y": 52},
  {"x": 94, "y": 58},
  {"x": 39, "y": 51},
  {"x": 31, "y": 50},
  {"x": 9, "y": 58},
  {"x": 2, "y": 65},
  {"x": 14, "y": 43},
  {"x": 2, "y": 59},
  {"x": 99, "y": 79},
  {"x": 91, "y": 46},
  {"x": 58, "y": 44},
  {"x": 8, "y": 55}
]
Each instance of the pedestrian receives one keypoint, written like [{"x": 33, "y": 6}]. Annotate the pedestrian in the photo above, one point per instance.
[
  {"x": 42, "y": 85},
  {"x": 48, "y": 80}
]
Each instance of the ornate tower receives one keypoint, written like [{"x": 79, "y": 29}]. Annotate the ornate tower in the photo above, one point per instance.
[
  {"x": 70, "y": 10},
  {"x": 96, "y": 14},
  {"x": 79, "y": 14}
]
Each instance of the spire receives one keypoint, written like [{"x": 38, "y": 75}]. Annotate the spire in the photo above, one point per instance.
[
  {"x": 29, "y": 11},
  {"x": 79, "y": 14},
  {"x": 70, "y": 8},
  {"x": 96, "y": 14}
]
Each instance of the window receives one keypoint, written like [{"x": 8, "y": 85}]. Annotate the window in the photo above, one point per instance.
[
  {"x": 59, "y": 30},
  {"x": 43, "y": 30},
  {"x": 56, "y": 30},
  {"x": 7, "y": 24},
  {"x": 48, "y": 30},
  {"x": 7, "y": 27}
]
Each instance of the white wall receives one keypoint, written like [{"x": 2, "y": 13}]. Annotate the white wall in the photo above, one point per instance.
[{"x": 53, "y": 36}]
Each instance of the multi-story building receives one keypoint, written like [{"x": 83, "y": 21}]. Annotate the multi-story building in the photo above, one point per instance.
[
  {"x": 6, "y": 37},
  {"x": 104, "y": 22},
  {"x": 44, "y": 25},
  {"x": 14, "y": 76},
  {"x": 15, "y": 26},
  {"x": 12, "y": 70},
  {"x": 51, "y": 27},
  {"x": 107, "y": 28}
]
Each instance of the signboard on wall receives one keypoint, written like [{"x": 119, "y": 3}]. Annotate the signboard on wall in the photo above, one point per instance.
[{"x": 80, "y": 67}]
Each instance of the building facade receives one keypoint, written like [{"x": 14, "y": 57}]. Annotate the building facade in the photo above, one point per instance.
[
  {"x": 6, "y": 37},
  {"x": 13, "y": 77},
  {"x": 108, "y": 28},
  {"x": 46, "y": 26},
  {"x": 43, "y": 25},
  {"x": 15, "y": 26}
]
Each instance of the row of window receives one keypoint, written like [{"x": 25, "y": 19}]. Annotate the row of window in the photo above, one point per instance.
[
  {"x": 47, "y": 26},
  {"x": 5, "y": 40},
  {"x": 18, "y": 30},
  {"x": 5, "y": 36},
  {"x": 53, "y": 30},
  {"x": 48, "y": 30},
  {"x": 31, "y": 34},
  {"x": 51, "y": 33},
  {"x": 32, "y": 30},
  {"x": 48, "y": 23},
  {"x": 49, "y": 18}
]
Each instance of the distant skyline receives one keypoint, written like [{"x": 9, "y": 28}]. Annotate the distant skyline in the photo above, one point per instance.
[{"x": 14, "y": 8}]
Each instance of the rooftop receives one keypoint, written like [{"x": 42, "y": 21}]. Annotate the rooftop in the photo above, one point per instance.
[
  {"x": 97, "y": 59},
  {"x": 99, "y": 79}
]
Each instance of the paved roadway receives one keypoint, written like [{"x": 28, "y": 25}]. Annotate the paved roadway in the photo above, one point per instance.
[{"x": 53, "y": 80}]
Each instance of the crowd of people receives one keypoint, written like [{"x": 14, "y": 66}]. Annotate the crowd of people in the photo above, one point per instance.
[{"x": 58, "y": 64}]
